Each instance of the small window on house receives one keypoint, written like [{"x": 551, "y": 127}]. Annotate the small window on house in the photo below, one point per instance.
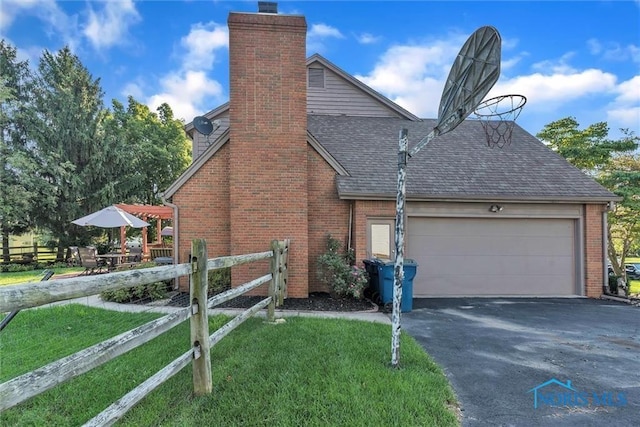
[
  {"x": 380, "y": 243},
  {"x": 316, "y": 78}
]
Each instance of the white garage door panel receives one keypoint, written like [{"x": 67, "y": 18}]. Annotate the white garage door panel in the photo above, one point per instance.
[{"x": 484, "y": 256}]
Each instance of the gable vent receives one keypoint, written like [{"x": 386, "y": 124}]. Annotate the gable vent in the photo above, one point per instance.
[{"x": 316, "y": 78}]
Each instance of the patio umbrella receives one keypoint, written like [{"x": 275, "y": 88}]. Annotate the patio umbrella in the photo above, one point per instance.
[
  {"x": 167, "y": 231},
  {"x": 110, "y": 217}
]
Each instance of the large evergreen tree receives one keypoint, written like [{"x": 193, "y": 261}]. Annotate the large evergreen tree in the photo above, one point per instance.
[
  {"x": 18, "y": 178},
  {"x": 64, "y": 125}
]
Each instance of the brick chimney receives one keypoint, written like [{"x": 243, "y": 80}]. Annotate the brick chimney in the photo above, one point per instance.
[{"x": 268, "y": 148}]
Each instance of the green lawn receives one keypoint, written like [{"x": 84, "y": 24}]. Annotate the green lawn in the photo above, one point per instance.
[
  {"x": 634, "y": 285},
  {"x": 311, "y": 372},
  {"x": 32, "y": 275}
]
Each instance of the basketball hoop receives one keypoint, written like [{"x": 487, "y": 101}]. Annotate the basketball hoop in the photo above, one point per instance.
[{"x": 497, "y": 116}]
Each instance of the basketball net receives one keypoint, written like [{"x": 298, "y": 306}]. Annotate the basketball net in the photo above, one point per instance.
[{"x": 497, "y": 117}]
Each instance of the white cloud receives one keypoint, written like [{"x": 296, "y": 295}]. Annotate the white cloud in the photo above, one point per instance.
[
  {"x": 186, "y": 93},
  {"x": 54, "y": 19},
  {"x": 109, "y": 26},
  {"x": 624, "y": 111},
  {"x": 557, "y": 88},
  {"x": 201, "y": 43},
  {"x": 556, "y": 66},
  {"x": 132, "y": 89},
  {"x": 624, "y": 117},
  {"x": 323, "y": 31},
  {"x": 629, "y": 91},
  {"x": 413, "y": 75},
  {"x": 367, "y": 38},
  {"x": 613, "y": 51},
  {"x": 318, "y": 33}
]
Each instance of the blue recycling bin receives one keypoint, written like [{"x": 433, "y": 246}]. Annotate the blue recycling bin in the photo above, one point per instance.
[{"x": 381, "y": 277}]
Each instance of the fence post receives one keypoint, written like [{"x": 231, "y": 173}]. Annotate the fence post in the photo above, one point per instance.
[
  {"x": 202, "y": 382},
  {"x": 283, "y": 270},
  {"x": 273, "y": 284}
]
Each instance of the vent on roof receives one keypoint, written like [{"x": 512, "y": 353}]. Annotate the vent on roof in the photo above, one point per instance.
[
  {"x": 267, "y": 7},
  {"x": 316, "y": 78}
]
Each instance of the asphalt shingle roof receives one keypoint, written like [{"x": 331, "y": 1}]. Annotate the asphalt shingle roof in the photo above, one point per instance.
[{"x": 457, "y": 165}]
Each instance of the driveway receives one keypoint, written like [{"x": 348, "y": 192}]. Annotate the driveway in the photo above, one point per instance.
[{"x": 499, "y": 353}]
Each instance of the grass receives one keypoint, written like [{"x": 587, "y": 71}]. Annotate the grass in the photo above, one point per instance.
[
  {"x": 634, "y": 285},
  {"x": 17, "y": 277},
  {"x": 311, "y": 372}
]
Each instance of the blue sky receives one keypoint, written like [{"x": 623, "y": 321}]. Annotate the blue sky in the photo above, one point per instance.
[{"x": 569, "y": 58}]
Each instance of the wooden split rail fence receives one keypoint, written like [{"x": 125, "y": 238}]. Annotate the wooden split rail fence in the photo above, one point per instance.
[{"x": 29, "y": 295}]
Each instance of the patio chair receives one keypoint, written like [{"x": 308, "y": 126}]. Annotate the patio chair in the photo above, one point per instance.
[
  {"x": 74, "y": 256},
  {"x": 91, "y": 264},
  {"x": 135, "y": 254}
]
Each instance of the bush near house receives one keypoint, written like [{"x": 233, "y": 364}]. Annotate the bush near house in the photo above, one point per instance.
[{"x": 337, "y": 270}]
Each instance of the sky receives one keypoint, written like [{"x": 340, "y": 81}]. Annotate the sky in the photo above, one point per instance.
[{"x": 569, "y": 58}]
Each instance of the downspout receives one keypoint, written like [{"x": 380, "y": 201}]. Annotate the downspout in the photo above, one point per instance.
[
  {"x": 350, "y": 225},
  {"x": 176, "y": 231},
  {"x": 605, "y": 247}
]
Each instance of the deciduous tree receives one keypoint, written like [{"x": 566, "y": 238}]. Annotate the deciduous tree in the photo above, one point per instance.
[{"x": 612, "y": 163}]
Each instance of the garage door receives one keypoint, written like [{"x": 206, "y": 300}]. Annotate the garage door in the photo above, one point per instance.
[{"x": 485, "y": 256}]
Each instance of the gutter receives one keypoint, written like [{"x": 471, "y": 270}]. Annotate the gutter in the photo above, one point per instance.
[{"x": 176, "y": 232}]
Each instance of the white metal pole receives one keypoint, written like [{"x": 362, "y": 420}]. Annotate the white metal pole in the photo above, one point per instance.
[{"x": 398, "y": 269}]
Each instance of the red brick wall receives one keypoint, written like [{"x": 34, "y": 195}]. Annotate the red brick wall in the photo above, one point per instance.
[
  {"x": 268, "y": 148},
  {"x": 203, "y": 210},
  {"x": 593, "y": 250},
  {"x": 327, "y": 214}
]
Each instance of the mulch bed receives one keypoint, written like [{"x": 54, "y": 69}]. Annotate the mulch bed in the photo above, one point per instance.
[{"x": 317, "y": 301}]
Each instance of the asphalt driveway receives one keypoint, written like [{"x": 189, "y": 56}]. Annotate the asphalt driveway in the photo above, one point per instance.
[{"x": 578, "y": 359}]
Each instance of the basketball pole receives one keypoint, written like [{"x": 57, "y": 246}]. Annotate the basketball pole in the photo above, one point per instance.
[{"x": 398, "y": 267}]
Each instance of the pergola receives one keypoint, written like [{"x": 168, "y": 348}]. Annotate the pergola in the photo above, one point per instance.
[{"x": 147, "y": 213}]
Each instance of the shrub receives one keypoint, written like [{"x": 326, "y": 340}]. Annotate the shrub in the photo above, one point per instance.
[
  {"x": 150, "y": 291},
  {"x": 335, "y": 269},
  {"x": 219, "y": 280}
]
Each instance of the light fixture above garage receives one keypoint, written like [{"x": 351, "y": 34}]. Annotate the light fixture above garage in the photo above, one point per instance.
[{"x": 495, "y": 208}]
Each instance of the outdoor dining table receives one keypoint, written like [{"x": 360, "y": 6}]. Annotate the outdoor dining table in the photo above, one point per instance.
[{"x": 112, "y": 259}]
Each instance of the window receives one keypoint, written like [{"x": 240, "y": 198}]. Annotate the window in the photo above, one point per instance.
[
  {"x": 316, "y": 78},
  {"x": 380, "y": 239}
]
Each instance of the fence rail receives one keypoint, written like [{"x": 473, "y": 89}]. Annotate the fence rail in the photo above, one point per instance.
[
  {"x": 17, "y": 297},
  {"x": 28, "y": 254}
]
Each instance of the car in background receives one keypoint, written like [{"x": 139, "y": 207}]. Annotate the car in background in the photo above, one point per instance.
[{"x": 633, "y": 271}]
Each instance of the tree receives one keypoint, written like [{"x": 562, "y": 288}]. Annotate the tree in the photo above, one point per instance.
[
  {"x": 589, "y": 149},
  {"x": 16, "y": 165},
  {"x": 73, "y": 159},
  {"x": 157, "y": 149},
  {"x": 612, "y": 164},
  {"x": 623, "y": 178}
]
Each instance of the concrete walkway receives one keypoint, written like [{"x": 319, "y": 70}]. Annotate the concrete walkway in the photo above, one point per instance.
[{"x": 158, "y": 307}]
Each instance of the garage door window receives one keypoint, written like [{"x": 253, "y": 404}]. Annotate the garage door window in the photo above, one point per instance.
[{"x": 380, "y": 242}]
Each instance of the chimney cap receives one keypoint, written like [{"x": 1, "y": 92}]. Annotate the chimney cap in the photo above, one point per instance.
[{"x": 267, "y": 7}]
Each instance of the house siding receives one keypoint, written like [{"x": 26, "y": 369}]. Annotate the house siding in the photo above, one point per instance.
[
  {"x": 268, "y": 144},
  {"x": 328, "y": 215},
  {"x": 340, "y": 97},
  {"x": 203, "y": 212},
  {"x": 201, "y": 142}
]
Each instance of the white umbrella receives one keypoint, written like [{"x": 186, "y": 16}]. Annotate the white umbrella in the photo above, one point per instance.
[
  {"x": 167, "y": 231},
  {"x": 110, "y": 217}
]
